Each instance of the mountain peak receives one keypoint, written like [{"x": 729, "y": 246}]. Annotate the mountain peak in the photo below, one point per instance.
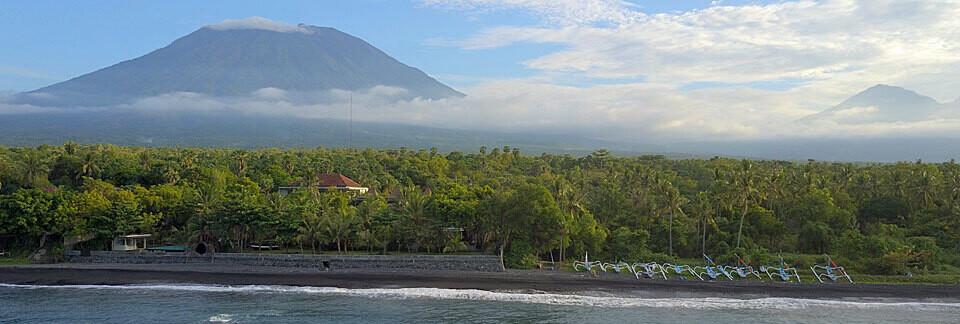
[
  {"x": 239, "y": 57},
  {"x": 886, "y": 95},
  {"x": 259, "y": 23},
  {"x": 884, "y": 86},
  {"x": 882, "y": 103},
  {"x": 888, "y": 91}
]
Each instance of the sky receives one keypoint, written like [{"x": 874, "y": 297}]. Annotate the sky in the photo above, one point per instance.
[
  {"x": 616, "y": 69},
  {"x": 56, "y": 40}
]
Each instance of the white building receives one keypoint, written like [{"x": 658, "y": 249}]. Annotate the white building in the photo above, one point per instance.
[{"x": 134, "y": 242}]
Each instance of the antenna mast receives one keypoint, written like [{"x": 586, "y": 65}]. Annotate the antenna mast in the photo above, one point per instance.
[{"x": 350, "y": 141}]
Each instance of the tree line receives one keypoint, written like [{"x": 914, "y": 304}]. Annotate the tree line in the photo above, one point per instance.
[{"x": 877, "y": 218}]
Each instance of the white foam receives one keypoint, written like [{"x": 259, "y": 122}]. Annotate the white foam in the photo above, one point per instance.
[
  {"x": 532, "y": 298},
  {"x": 220, "y": 318}
]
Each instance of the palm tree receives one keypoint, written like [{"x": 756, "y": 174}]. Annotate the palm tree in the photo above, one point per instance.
[
  {"x": 745, "y": 185},
  {"x": 89, "y": 166},
  {"x": 70, "y": 147},
  {"x": 954, "y": 195},
  {"x": 209, "y": 193},
  {"x": 170, "y": 174},
  {"x": 339, "y": 219},
  {"x": 924, "y": 187},
  {"x": 240, "y": 160},
  {"x": 674, "y": 203},
  {"x": 145, "y": 159},
  {"x": 704, "y": 208},
  {"x": 600, "y": 156},
  {"x": 35, "y": 166},
  {"x": 774, "y": 189},
  {"x": 311, "y": 229},
  {"x": 186, "y": 160},
  {"x": 639, "y": 180},
  {"x": 570, "y": 203},
  {"x": 414, "y": 203}
]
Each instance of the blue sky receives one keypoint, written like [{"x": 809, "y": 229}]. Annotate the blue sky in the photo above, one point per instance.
[{"x": 50, "y": 41}]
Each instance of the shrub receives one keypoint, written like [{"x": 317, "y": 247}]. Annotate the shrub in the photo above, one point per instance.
[
  {"x": 816, "y": 237},
  {"x": 626, "y": 244},
  {"x": 520, "y": 256},
  {"x": 894, "y": 263},
  {"x": 925, "y": 252}
]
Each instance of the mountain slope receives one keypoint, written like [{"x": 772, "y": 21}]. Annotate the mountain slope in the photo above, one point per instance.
[
  {"x": 883, "y": 103},
  {"x": 235, "y": 60}
]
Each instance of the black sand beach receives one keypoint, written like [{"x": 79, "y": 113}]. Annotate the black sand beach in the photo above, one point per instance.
[{"x": 559, "y": 282}]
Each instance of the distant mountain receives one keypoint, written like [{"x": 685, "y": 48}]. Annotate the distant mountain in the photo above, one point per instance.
[
  {"x": 238, "y": 57},
  {"x": 883, "y": 103}
]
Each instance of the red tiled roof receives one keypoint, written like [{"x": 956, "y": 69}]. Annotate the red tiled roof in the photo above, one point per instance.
[{"x": 336, "y": 180}]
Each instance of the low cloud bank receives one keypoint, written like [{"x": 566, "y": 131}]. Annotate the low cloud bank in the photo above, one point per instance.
[{"x": 628, "y": 113}]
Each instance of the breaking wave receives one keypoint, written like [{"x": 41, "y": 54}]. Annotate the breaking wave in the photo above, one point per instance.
[
  {"x": 708, "y": 303},
  {"x": 220, "y": 318}
]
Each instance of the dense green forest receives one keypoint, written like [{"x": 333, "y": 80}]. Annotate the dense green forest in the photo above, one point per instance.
[{"x": 876, "y": 218}]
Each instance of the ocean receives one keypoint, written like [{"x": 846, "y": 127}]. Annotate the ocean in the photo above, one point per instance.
[{"x": 162, "y": 303}]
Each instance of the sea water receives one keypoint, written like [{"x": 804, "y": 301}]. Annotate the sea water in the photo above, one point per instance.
[{"x": 177, "y": 303}]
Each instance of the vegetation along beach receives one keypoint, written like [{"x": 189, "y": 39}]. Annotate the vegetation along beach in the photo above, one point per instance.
[{"x": 888, "y": 222}]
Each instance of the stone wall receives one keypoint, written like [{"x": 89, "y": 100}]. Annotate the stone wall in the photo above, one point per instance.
[{"x": 322, "y": 262}]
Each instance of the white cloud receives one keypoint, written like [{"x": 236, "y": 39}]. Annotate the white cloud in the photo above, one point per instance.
[
  {"x": 856, "y": 111},
  {"x": 40, "y": 95},
  {"x": 270, "y": 93},
  {"x": 565, "y": 12},
  {"x": 821, "y": 51},
  {"x": 27, "y": 73},
  {"x": 796, "y": 40},
  {"x": 258, "y": 23}
]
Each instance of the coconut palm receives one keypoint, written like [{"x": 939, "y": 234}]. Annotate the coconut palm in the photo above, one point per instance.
[
  {"x": 70, "y": 148},
  {"x": 339, "y": 219},
  {"x": 744, "y": 182},
  {"x": 89, "y": 166},
  {"x": 704, "y": 207},
  {"x": 311, "y": 229},
  {"x": 240, "y": 158},
  {"x": 35, "y": 167},
  {"x": 674, "y": 205},
  {"x": 413, "y": 203}
]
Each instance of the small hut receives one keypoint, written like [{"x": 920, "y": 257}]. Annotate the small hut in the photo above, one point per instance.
[{"x": 133, "y": 242}]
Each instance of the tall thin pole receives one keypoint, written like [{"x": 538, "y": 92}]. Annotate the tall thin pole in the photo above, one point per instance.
[{"x": 350, "y": 141}]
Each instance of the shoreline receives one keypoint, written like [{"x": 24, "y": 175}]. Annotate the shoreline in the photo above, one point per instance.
[{"x": 513, "y": 280}]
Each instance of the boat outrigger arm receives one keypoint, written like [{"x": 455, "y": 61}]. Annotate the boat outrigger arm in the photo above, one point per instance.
[
  {"x": 616, "y": 267},
  {"x": 714, "y": 271},
  {"x": 831, "y": 271},
  {"x": 681, "y": 268},
  {"x": 783, "y": 272},
  {"x": 743, "y": 269},
  {"x": 586, "y": 264},
  {"x": 649, "y": 270}
]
